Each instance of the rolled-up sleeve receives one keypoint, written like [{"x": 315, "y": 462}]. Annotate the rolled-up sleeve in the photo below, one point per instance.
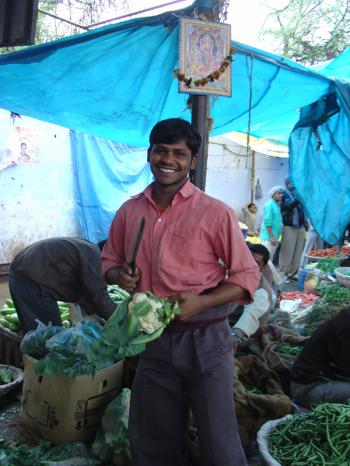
[
  {"x": 232, "y": 249},
  {"x": 249, "y": 322},
  {"x": 113, "y": 250}
]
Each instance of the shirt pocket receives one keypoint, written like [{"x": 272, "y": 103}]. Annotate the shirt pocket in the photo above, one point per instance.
[{"x": 186, "y": 253}]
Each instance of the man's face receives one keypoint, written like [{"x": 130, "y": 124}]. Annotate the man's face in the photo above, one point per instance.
[
  {"x": 171, "y": 163},
  {"x": 278, "y": 196},
  {"x": 259, "y": 260}
]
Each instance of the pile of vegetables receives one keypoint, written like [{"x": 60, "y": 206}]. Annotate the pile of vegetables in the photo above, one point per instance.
[
  {"x": 335, "y": 294},
  {"x": 291, "y": 350},
  {"x": 45, "y": 453},
  {"x": 9, "y": 317},
  {"x": 64, "y": 313},
  {"x": 88, "y": 346},
  {"x": 306, "y": 298},
  {"x": 327, "y": 265},
  {"x": 117, "y": 294},
  {"x": 5, "y": 377},
  {"x": 319, "y": 437},
  {"x": 331, "y": 252},
  {"x": 320, "y": 313}
]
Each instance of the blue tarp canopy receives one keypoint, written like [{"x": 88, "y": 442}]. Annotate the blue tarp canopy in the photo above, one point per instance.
[
  {"x": 338, "y": 68},
  {"x": 319, "y": 149},
  {"x": 116, "y": 82}
]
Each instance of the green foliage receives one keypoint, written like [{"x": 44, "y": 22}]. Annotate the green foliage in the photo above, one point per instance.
[
  {"x": 5, "y": 377},
  {"x": 80, "y": 12},
  {"x": 87, "y": 347},
  {"x": 44, "y": 453},
  {"x": 309, "y": 31}
]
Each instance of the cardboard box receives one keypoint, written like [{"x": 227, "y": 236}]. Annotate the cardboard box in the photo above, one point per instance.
[{"x": 61, "y": 409}]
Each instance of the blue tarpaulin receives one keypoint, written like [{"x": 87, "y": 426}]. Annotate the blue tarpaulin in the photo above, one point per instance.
[
  {"x": 103, "y": 180},
  {"x": 319, "y": 150},
  {"x": 116, "y": 82}
]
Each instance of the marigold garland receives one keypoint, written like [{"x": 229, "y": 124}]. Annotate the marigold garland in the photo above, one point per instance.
[{"x": 211, "y": 77}]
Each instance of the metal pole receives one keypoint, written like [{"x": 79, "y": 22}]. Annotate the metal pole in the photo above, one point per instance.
[
  {"x": 200, "y": 116},
  {"x": 252, "y": 180}
]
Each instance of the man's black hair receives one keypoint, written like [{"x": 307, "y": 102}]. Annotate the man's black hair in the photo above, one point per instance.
[
  {"x": 172, "y": 130},
  {"x": 260, "y": 249}
]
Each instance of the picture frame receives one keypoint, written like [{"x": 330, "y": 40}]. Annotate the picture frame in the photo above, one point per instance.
[{"x": 203, "y": 48}]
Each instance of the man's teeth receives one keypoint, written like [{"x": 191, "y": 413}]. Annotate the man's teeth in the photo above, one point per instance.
[{"x": 167, "y": 170}]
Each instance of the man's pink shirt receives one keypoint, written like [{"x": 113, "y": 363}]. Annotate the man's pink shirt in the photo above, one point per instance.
[{"x": 193, "y": 246}]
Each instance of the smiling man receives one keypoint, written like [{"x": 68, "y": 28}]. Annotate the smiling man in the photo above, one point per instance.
[{"x": 192, "y": 250}]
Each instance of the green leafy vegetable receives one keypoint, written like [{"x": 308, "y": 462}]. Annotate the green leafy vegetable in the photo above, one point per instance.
[
  {"x": 5, "y": 376},
  {"x": 88, "y": 347},
  {"x": 327, "y": 264}
]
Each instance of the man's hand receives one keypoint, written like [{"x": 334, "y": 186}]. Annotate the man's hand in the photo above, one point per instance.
[
  {"x": 128, "y": 278},
  {"x": 191, "y": 304}
]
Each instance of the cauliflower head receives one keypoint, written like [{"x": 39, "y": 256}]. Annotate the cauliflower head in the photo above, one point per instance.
[{"x": 149, "y": 322}]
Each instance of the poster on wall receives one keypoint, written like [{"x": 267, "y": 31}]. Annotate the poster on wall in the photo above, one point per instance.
[
  {"x": 204, "y": 57},
  {"x": 21, "y": 147}
]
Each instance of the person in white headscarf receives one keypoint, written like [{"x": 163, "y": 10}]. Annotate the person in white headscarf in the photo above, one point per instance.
[{"x": 271, "y": 227}]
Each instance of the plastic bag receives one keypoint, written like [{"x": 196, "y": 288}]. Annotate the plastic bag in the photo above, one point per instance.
[
  {"x": 111, "y": 444},
  {"x": 71, "y": 351},
  {"x": 290, "y": 306},
  {"x": 34, "y": 342},
  {"x": 263, "y": 439}
]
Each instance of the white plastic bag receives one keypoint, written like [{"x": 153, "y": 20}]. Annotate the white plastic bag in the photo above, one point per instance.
[
  {"x": 263, "y": 439},
  {"x": 290, "y": 306}
]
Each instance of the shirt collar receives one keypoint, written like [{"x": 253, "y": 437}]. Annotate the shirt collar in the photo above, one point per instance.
[{"x": 186, "y": 191}]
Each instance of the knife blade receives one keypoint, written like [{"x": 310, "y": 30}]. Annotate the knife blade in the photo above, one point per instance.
[{"x": 132, "y": 262}]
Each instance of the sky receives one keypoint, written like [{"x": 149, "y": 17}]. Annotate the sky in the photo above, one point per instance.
[{"x": 245, "y": 16}]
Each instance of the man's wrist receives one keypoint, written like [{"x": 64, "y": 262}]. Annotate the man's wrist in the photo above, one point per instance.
[{"x": 238, "y": 334}]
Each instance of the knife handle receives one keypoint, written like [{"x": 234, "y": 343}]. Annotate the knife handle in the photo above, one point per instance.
[{"x": 132, "y": 265}]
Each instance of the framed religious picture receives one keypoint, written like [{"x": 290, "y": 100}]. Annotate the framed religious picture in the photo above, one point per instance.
[{"x": 204, "y": 57}]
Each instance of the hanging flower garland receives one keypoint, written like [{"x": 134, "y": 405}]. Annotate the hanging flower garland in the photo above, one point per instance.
[{"x": 214, "y": 75}]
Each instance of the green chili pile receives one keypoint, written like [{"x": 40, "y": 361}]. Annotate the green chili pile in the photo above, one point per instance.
[{"x": 320, "y": 437}]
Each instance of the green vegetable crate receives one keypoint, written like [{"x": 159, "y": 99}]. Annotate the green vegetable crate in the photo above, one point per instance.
[{"x": 64, "y": 409}]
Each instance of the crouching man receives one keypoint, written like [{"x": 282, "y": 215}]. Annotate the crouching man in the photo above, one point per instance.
[{"x": 255, "y": 315}]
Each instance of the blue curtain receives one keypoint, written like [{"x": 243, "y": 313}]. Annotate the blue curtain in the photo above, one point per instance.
[
  {"x": 106, "y": 174},
  {"x": 319, "y": 150}
]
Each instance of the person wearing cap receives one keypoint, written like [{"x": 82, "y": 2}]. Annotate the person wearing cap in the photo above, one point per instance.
[
  {"x": 293, "y": 235},
  {"x": 272, "y": 224}
]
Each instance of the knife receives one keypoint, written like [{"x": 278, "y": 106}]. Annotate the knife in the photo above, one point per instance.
[{"x": 132, "y": 262}]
